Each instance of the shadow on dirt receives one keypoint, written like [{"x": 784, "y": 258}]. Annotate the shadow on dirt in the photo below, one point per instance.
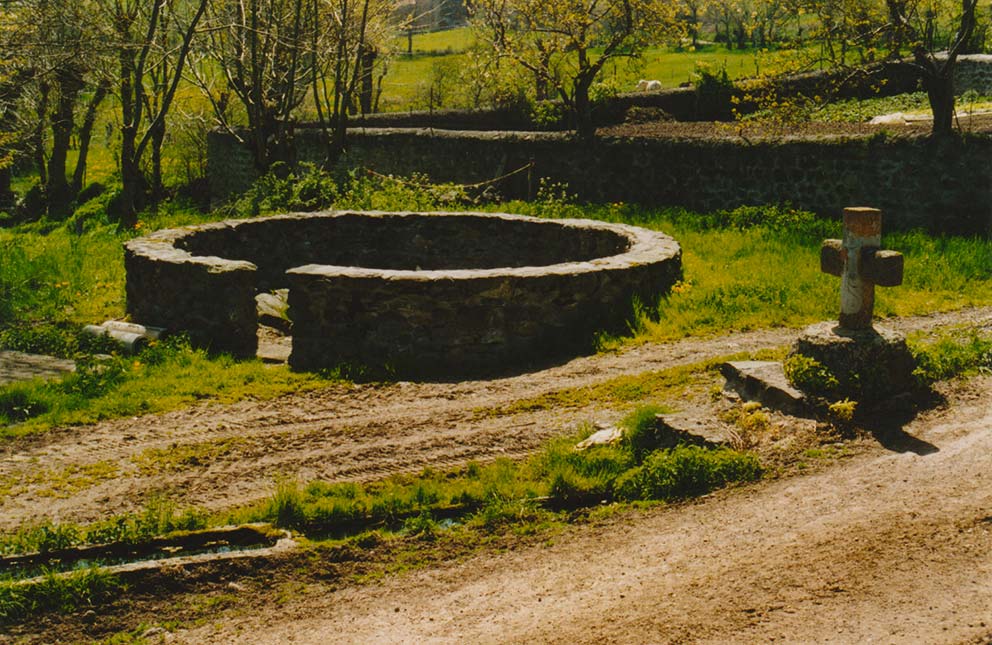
[{"x": 886, "y": 423}]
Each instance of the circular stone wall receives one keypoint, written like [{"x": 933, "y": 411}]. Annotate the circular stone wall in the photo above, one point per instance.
[{"x": 403, "y": 294}]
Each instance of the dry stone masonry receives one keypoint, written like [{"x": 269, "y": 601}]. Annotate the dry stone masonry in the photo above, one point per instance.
[{"x": 403, "y": 294}]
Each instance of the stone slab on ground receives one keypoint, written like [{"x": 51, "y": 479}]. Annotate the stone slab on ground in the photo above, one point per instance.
[
  {"x": 691, "y": 428},
  {"x": 273, "y": 345},
  {"x": 273, "y": 310},
  {"x": 18, "y": 366},
  {"x": 766, "y": 383}
]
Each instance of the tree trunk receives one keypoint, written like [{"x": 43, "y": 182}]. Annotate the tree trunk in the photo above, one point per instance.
[
  {"x": 158, "y": 138},
  {"x": 940, "y": 92},
  {"x": 38, "y": 136},
  {"x": 85, "y": 135},
  {"x": 6, "y": 193},
  {"x": 133, "y": 182},
  {"x": 582, "y": 109},
  {"x": 540, "y": 87},
  {"x": 58, "y": 190},
  {"x": 368, "y": 56}
]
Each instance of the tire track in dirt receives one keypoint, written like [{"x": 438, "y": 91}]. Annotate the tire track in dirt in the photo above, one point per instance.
[
  {"x": 339, "y": 432},
  {"x": 884, "y": 547}
]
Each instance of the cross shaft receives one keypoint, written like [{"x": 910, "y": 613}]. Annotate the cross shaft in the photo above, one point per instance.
[{"x": 860, "y": 264}]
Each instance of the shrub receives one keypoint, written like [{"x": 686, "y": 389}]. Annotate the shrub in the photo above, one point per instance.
[
  {"x": 713, "y": 91},
  {"x": 686, "y": 471},
  {"x": 809, "y": 375},
  {"x": 641, "y": 434},
  {"x": 282, "y": 189},
  {"x": 548, "y": 115}
]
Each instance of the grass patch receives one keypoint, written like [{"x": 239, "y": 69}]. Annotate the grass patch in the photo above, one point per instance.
[
  {"x": 178, "y": 457},
  {"x": 164, "y": 377},
  {"x": 60, "y": 483},
  {"x": 56, "y": 593},
  {"x": 952, "y": 355},
  {"x": 505, "y": 493},
  {"x": 916, "y": 103}
]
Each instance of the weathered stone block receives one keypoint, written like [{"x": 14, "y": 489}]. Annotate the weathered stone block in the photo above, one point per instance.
[{"x": 869, "y": 364}]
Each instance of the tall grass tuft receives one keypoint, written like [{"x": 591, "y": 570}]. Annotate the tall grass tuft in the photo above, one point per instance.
[
  {"x": 56, "y": 593},
  {"x": 641, "y": 431},
  {"x": 952, "y": 355},
  {"x": 686, "y": 471}
]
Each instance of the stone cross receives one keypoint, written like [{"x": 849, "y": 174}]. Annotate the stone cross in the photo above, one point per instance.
[{"x": 861, "y": 265}]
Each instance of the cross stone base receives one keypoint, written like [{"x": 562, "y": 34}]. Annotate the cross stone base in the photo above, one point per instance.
[{"x": 869, "y": 364}]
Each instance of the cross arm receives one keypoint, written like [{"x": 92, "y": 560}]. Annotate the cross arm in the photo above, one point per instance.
[
  {"x": 883, "y": 268},
  {"x": 832, "y": 257}
]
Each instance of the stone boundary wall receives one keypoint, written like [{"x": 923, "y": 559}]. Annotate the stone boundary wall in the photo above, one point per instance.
[
  {"x": 919, "y": 182},
  {"x": 682, "y": 103},
  {"x": 973, "y": 72},
  {"x": 403, "y": 294}
]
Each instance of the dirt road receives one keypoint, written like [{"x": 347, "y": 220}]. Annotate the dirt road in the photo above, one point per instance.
[
  {"x": 886, "y": 547},
  {"x": 216, "y": 456}
]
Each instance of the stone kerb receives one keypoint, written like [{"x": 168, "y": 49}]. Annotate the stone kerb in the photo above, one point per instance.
[{"x": 414, "y": 293}]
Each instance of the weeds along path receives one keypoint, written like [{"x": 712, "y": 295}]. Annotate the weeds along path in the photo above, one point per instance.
[
  {"x": 883, "y": 547},
  {"x": 220, "y": 456}
]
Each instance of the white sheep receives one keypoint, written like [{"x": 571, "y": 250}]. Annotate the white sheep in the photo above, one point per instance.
[{"x": 648, "y": 86}]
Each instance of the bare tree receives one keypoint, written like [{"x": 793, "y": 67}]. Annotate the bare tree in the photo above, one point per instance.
[
  {"x": 347, "y": 45},
  {"x": 565, "y": 44},
  {"x": 260, "y": 48},
  {"x": 135, "y": 33},
  {"x": 51, "y": 48}
]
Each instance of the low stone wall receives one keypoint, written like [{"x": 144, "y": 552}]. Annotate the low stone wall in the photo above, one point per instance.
[
  {"x": 973, "y": 72},
  {"x": 403, "y": 294},
  {"x": 918, "y": 182},
  {"x": 210, "y": 298},
  {"x": 938, "y": 185}
]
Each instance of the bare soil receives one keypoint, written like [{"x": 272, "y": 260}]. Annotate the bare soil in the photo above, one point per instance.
[
  {"x": 217, "y": 457},
  {"x": 889, "y": 547},
  {"x": 890, "y": 543}
]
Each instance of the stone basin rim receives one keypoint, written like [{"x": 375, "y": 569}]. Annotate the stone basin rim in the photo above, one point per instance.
[
  {"x": 643, "y": 245},
  {"x": 440, "y": 294}
]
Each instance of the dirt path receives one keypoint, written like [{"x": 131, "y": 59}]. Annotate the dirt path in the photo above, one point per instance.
[
  {"x": 219, "y": 456},
  {"x": 885, "y": 547}
]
